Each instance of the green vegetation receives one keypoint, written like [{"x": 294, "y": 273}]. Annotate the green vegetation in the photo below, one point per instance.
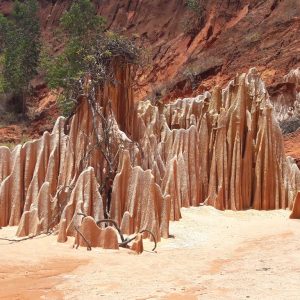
[
  {"x": 253, "y": 37},
  {"x": 20, "y": 37},
  {"x": 290, "y": 125},
  {"x": 9, "y": 145},
  {"x": 1, "y": 75},
  {"x": 194, "y": 5},
  {"x": 195, "y": 18},
  {"x": 88, "y": 52},
  {"x": 12, "y": 145},
  {"x": 80, "y": 26}
]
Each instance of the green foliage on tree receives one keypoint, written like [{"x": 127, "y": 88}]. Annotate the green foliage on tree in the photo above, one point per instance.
[
  {"x": 81, "y": 22},
  {"x": 87, "y": 52},
  {"x": 20, "y": 37},
  {"x": 194, "y": 6},
  {"x": 3, "y": 30},
  {"x": 1, "y": 75},
  {"x": 80, "y": 26}
]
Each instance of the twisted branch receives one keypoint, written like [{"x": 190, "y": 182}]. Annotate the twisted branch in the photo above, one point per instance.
[
  {"x": 128, "y": 240},
  {"x": 89, "y": 248},
  {"x": 115, "y": 225},
  {"x": 154, "y": 239},
  {"x": 25, "y": 238}
]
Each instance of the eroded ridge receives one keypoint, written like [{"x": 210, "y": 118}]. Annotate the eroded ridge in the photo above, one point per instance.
[{"x": 223, "y": 149}]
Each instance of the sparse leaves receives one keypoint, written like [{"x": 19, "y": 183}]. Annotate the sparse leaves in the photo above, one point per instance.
[
  {"x": 88, "y": 53},
  {"x": 81, "y": 21},
  {"x": 20, "y": 37},
  {"x": 290, "y": 125},
  {"x": 194, "y": 20},
  {"x": 194, "y": 6}
]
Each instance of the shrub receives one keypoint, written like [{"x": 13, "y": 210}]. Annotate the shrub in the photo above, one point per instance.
[
  {"x": 194, "y": 20},
  {"x": 290, "y": 125},
  {"x": 10, "y": 145},
  {"x": 20, "y": 37},
  {"x": 65, "y": 105},
  {"x": 195, "y": 6},
  {"x": 88, "y": 53},
  {"x": 1, "y": 75}
]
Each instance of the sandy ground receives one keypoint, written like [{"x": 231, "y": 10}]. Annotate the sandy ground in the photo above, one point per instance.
[{"x": 213, "y": 255}]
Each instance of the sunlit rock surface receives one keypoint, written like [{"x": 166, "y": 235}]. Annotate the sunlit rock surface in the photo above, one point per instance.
[{"x": 223, "y": 149}]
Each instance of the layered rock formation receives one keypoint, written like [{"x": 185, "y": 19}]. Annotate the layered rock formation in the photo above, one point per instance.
[
  {"x": 222, "y": 149},
  {"x": 137, "y": 201}
]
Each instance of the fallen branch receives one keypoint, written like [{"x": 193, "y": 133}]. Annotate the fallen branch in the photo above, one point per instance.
[
  {"x": 89, "y": 248},
  {"x": 25, "y": 238},
  {"x": 154, "y": 239},
  {"x": 125, "y": 243},
  {"x": 115, "y": 225}
]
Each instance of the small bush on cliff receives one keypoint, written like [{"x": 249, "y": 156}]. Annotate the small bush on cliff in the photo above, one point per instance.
[
  {"x": 290, "y": 125},
  {"x": 87, "y": 54},
  {"x": 194, "y": 20},
  {"x": 1, "y": 75},
  {"x": 195, "y": 6},
  {"x": 20, "y": 37}
]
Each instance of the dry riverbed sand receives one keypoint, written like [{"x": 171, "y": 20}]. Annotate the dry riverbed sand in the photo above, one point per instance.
[{"x": 211, "y": 255}]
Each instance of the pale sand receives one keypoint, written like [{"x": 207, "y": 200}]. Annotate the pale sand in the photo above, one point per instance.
[{"x": 213, "y": 255}]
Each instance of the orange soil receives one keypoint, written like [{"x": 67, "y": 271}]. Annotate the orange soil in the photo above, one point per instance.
[
  {"x": 292, "y": 145},
  {"x": 34, "y": 281},
  {"x": 42, "y": 110}
]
